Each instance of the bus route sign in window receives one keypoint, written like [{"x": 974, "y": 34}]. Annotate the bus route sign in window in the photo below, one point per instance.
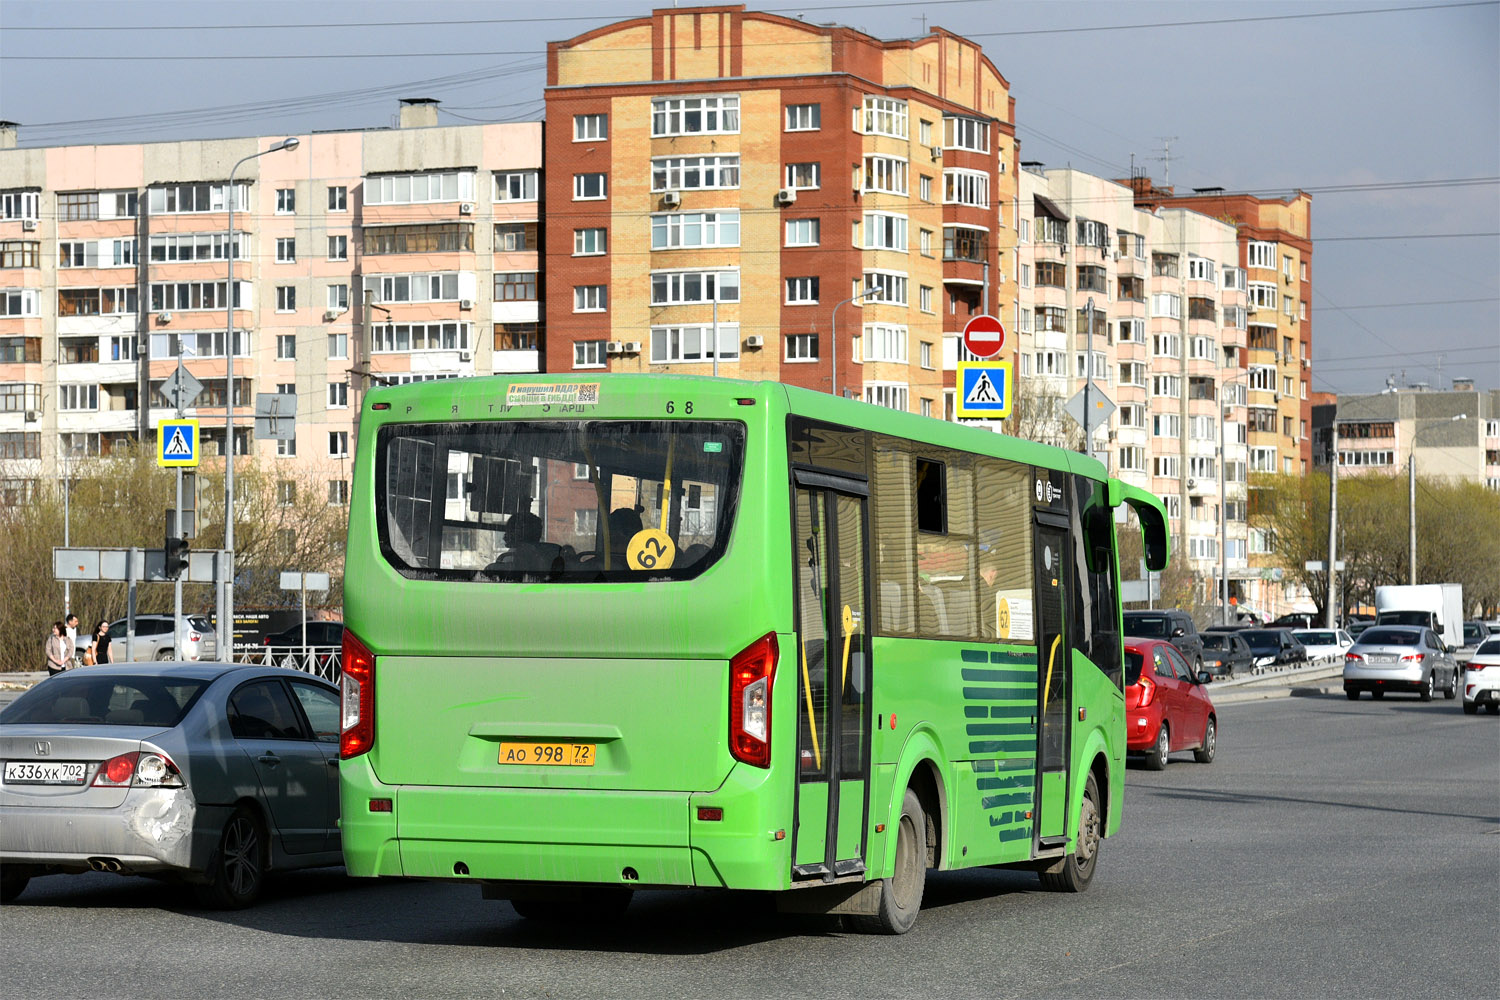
[{"x": 557, "y": 501}]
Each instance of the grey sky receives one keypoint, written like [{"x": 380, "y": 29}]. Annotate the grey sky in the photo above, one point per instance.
[{"x": 1378, "y": 96}]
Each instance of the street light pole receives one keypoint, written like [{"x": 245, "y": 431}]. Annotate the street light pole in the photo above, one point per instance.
[
  {"x": 833, "y": 348},
  {"x": 226, "y": 571},
  {"x": 1411, "y": 497}
]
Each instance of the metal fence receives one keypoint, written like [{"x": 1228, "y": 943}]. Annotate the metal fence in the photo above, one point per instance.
[{"x": 322, "y": 661}]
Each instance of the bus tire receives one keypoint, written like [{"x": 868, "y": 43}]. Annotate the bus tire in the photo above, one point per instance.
[
  {"x": 901, "y": 894},
  {"x": 592, "y": 906},
  {"x": 1078, "y": 867}
]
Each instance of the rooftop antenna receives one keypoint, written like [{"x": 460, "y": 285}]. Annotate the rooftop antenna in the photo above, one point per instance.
[
  {"x": 923, "y": 19},
  {"x": 1166, "y": 158}
]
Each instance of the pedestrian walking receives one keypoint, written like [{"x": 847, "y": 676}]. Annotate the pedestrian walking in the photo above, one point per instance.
[
  {"x": 56, "y": 649},
  {"x": 98, "y": 651},
  {"x": 70, "y": 631}
]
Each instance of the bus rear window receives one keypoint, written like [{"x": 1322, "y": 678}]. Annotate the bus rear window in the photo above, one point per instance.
[{"x": 557, "y": 501}]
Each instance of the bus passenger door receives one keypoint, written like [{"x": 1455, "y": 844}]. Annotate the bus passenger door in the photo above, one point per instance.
[
  {"x": 833, "y": 678},
  {"x": 1054, "y": 669}
]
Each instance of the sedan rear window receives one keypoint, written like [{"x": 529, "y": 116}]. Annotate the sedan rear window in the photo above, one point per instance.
[
  {"x": 1317, "y": 638},
  {"x": 81, "y": 698},
  {"x": 1390, "y": 637},
  {"x": 1489, "y": 647},
  {"x": 1133, "y": 663},
  {"x": 1217, "y": 640},
  {"x": 1150, "y": 626}
]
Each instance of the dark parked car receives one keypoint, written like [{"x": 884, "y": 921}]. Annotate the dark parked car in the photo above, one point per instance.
[
  {"x": 1275, "y": 647},
  {"x": 1167, "y": 707},
  {"x": 1226, "y": 653},
  {"x": 318, "y": 634},
  {"x": 1297, "y": 619},
  {"x": 1174, "y": 626},
  {"x": 211, "y": 773}
]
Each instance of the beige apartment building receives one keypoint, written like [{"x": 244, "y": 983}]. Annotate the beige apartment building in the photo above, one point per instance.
[
  {"x": 383, "y": 255},
  {"x": 1443, "y": 433}
]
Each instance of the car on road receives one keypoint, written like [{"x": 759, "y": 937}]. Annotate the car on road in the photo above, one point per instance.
[
  {"x": 210, "y": 773},
  {"x": 1324, "y": 645},
  {"x": 155, "y": 639},
  {"x": 1399, "y": 658},
  {"x": 1226, "y": 654},
  {"x": 1167, "y": 707},
  {"x": 1357, "y": 626},
  {"x": 1297, "y": 619},
  {"x": 1474, "y": 634},
  {"x": 1275, "y": 647},
  {"x": 318, "y": 634},
  {"x": 1175, "y": 626},
  {"x": 1482, "y": 678}
]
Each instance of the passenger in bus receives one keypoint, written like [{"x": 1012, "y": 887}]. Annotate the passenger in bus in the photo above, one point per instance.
[
  {"x": 525, "y": 549},
  {"x": 624, "y": 524},
  {"x": 989, "y": 574}
]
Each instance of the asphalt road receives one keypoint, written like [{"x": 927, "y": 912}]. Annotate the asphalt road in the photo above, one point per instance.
[{"x": 1334, "y": 849}]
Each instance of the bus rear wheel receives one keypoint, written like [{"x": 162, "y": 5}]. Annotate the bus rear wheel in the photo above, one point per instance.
[
  {"x": 901, "y": 894},
  {"x": 1078, "y": 867}
]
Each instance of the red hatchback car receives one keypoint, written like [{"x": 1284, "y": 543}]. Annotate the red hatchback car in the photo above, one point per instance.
[{"x": 1167, "y": 708}]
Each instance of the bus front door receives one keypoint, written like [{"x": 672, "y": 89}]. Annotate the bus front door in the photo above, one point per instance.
[
  {"x": 833, "y": 680},
  {"x": 1054, "y": 669}
]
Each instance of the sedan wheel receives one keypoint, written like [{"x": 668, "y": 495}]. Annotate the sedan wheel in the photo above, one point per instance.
[
  {"x": 237, "y": 871},
  {"x": 165, "y": 654},
  {"x": 1426, "y": 694},
  {"x": 1451, "y": 691},
  {"x": 1471, "y": 708},
  {"x": 1352, "y": 694},
  {"x": 1205, "y": 753},
  {"x": 1156, "y": 757}
]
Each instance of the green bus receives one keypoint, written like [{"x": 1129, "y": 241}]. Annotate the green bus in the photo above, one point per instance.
[{"x": 666, "y": 631}]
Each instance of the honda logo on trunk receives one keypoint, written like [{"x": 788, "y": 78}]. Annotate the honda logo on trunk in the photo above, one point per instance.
[{"x": 43, "y": 748}]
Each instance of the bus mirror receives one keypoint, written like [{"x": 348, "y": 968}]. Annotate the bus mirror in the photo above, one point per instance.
[
  {"x": 1114, "y": 493},
  {"x": 1153, "y": 517}
]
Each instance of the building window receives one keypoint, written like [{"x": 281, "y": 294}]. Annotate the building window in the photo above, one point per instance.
[
  {"x": 804, "y": 117},
  {"x": 338, "y": 444},
  {"x": 1260, "y": 254},
  {"x": 286, "y": 346},
  {"x": 286, "y": 448},
  {"x": 286, "y": 201},
  {"x": 590, "y": 242},
  {"x": 1166, "y": 345},
  {"x": 419, "y": 189},
  {"x": 885, "y": 342},
  {"x": 590, "y": 187},
  {"x": 802, "y": 232},
  {"x": 803, "y": 176},
  {"x": 588, "y": 354},
  {"x": 802, "y": 347},
  {"x": 679, "y": 173},
  {"x": 1133, "y": 458},
  {"x": 286, "y": 250},
  {"x": 20, "y": 253},
  {"x": 924, "y": 298},
  {"x": 885, "y": 231},
  {"x": 515, "y": 336},
  {"x": 338, "y": 492},
  {"x": 891, "y": 395},
  {"x": 966, "y": 187},
  {"x": 1200, "y": 269},
  {"x": 440, "y": 286},
  {"x": 338, "y": 346},
  {"x": 515, "y": 185},
  {"x": 885, "y": 174},
  {"x": 966, "y": 133},
  {"x": 338, "y": 248},
  {"x": 20, "y": 205},
  {"x": 338, "y": 395},
  {"x": 889, "y": 285},
  {"x": 924, "y": 187},
  {"x": 338, "y": 297},
  {"x": 286, "y": 489},
  {"x": 587, "y": 128},
  {"x": 448, "y": 237},
  {"x": 197, "y": 246},
  {"x": 78, "y": 397},
  {"x": 1262, "y": 294},
  {"x": 590, "y": 298},
  {"x": 802, "y": 291},
  {"x": 515, "y": 286},
  {"x": 1164, "y": 265},
  {"x": 884, "y": 116},
  {"x": 671, "y": 288},
  {"x": 1166, "y": 385},
  {"x": 286, "y": 298},
  {"x": 695, "y": 115},
  {"x": 77, "y": 205},
  {"x": 926, "y": 354},
  {"x": 400, "y": 338},
  {"x": 338, "y": 198},
  {"x": 695, "y": 229},
  {"x": 1166, "y": 425},
  {"x": 1166, "y": 304},
  {"x": 693, "y": 343},
  {"x": 1166, "y": 466}
]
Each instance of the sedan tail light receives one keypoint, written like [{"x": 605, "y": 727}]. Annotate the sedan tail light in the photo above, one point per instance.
[
  {"x": 750, "y": 674},
  {"x": 357, "y": 734},
  {"x": 1148, "y": 689},
  {"x": 1353, "y": 658},
  {"x": 150, "y": 769},
  {"x": 1413, "y": 658}
]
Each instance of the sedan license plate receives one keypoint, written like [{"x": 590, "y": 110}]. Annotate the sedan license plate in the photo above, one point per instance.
[
  {"x": 31, "y": 772},
  {"x": 548, "y": 754}
]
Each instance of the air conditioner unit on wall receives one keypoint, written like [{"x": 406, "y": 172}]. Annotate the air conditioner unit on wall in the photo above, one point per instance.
[
  {"x": 31, "y": 416},
  {"x": 28, "y": 225},
  {"x": 631, "y": 347},
  {"x": 613, "y": 347},
  {"x": 786, "y": 196},
  {"x": 466, "y": 208},
  {"x": 937, "y": 152},
  {"x": 466, "y": 355},
  {"x": 755, "y": 340},
  {"x": 671, "y": 199},
  {"x": 466, "y": 303},
  {"x": 331, "y": 314}
]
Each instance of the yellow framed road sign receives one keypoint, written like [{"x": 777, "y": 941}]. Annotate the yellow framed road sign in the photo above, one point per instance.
[
  {"x": 984, "y": 389},
  {"x": 177, "y": 443}
]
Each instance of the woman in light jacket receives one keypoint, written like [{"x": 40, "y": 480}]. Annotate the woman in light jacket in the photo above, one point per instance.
[{"x": 57, "y": 649}]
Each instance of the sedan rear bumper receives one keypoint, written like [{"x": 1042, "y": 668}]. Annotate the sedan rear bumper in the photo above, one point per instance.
[{"x": 153, "y": 829}]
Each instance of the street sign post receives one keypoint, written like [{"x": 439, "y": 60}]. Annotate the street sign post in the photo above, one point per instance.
[
  {"x": 181, "y": 388},
  {"x": 985, "y": 389},
  {"x": 984, "y": 337},
  {"x": 177, "y": 443},
  {"x": 304, "y": 582},
  {"x": 275, "y": 416},
  {"x": 1091, "y": 408}
]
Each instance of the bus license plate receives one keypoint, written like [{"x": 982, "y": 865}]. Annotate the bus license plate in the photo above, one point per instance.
[
  {"x": 28, "y": 772},
  {"x": 548, "y": 754}
]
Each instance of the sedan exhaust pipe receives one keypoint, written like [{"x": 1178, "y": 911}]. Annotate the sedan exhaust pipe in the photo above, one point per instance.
[{"x": 105, "y": 865}]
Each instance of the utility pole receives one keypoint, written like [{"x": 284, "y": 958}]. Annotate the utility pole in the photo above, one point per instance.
[{"x": 1330, "y": 619}]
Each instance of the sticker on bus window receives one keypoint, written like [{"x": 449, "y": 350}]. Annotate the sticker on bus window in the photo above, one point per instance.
[
  {"x": 713, "y": 446},
  {"x": 1013, "y": 617},
  {"x": 553, "y": 393},
  {"x": 650, "y": 548}
]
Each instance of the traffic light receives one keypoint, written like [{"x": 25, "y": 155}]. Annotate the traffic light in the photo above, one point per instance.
[{"x": 175, "y": 550}]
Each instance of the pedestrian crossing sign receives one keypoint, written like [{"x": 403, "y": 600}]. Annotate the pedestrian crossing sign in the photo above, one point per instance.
[
  {"x": 985, "y": 389},
  {"x": 177, "y": 443}
]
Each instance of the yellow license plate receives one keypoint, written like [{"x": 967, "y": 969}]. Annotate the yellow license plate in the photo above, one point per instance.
[{"x": 548, "y": 754}]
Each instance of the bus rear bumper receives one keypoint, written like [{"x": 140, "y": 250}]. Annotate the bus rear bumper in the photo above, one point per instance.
[{"x": 615, "y": 837}]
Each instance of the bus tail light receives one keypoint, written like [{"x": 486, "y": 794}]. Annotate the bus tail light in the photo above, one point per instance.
[
  {"x": 358, "y": 698},
  {"x": 750, "y": 674}
]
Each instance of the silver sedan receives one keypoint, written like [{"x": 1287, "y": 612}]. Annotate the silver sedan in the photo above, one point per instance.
[
  {"x": 210, "y": 772},
  {"x": 1399, "y": 658}
]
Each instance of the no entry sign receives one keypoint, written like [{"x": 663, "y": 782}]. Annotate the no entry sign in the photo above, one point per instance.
[{"x": 984, "y": 336}]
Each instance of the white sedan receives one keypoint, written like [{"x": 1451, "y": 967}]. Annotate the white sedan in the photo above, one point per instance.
[{"x": 1324, "y": 645}]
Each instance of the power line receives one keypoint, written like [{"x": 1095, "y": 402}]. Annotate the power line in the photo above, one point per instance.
[{"x": 1400, "y": 305}]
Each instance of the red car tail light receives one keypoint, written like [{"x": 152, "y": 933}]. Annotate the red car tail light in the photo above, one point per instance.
[
  {"x": 1148, "y": 689},
  {"x": 750, "y": 674},
  {"x": 1353, "y": 658},
  {"x": 150, "y": 769},
  {"x": 1412, "y": 658},
  {"x": 357, "y": 688}
]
